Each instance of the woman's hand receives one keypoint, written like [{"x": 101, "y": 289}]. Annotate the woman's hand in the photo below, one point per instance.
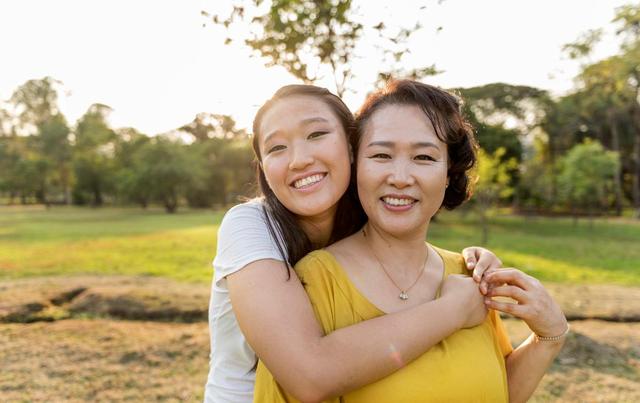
[
  {"x": 479, "y": 260},
  {"x": 533, "y": 304},
  {"x": 464, "y": 293}
]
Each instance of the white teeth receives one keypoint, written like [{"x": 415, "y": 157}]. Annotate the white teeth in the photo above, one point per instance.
[
  {"x": 309, "y": 180},
  {"x": 397, "y": 202}
]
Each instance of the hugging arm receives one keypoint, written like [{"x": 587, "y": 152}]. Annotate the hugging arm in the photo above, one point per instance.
[
  {"x": 527, "y": 364},
  {"x": 277, "y": 319}
]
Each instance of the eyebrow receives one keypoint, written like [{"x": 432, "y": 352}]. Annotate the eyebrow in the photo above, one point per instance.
[
  {"x": 391, "y": 144},
  {"x": 303, "y": 122}
]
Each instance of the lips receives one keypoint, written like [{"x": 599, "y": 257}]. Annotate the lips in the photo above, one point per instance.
[{"x": 308, "y": 180}]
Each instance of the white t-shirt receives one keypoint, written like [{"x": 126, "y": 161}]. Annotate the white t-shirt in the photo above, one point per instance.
[{"x": 243, "y": 237}]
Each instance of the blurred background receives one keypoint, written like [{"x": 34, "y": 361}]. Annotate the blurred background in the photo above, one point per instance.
[{"x": 125, "y": 136}]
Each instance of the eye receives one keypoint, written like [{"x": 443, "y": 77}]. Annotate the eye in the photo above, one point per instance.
[
  {"x": 275, "y": 148},
  {"x": 425, "y": 157},
  {"x": 380, "y": 156},
  {"x": 315, "y": 135}
]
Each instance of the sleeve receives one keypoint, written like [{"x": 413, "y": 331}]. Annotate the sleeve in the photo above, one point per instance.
[
  {"x": 501, "y": 333},
  {"x": 243, "y": 238},
  {"x": 320, "y": 287}
]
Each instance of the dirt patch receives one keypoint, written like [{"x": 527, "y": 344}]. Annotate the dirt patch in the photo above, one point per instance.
[
  {"x": 603, "y": 302},
  {"x": 158, "y": 299},
  {"x": 600, "y": 362},
  {"x": 90, "y": 357},
  {"x": 103, "y": 360},
  {"x": 137, "y": 298}
]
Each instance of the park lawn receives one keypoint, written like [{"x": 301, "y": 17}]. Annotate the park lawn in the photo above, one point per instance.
[
  {"x": 71, "y": 240},
  {"x": 67, "y": 240},
  {"x": 553, "y": 249}
]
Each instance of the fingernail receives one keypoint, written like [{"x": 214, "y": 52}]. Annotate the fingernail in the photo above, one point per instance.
[{"x": 470, "y": 264}]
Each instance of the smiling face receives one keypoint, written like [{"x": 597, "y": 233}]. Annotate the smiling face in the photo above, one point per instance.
[
  {"x": 305, "y": 155},
  {"x": 402, "y": 170}
]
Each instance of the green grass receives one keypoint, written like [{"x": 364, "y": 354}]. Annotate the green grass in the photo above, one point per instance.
[
  {"x": 67, "y": 240},
  {"x": 107, "y": 241},
  {"x": 553, "y": 249}
]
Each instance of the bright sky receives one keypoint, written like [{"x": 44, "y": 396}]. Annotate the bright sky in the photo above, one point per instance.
[{"x": 156, "y": 66}]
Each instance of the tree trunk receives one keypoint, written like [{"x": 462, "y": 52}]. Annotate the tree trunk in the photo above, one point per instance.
[
  {"x": 97, "y": 196},
  {"x": 484, "y": 223},
  {"x": 170, "y": 203},
  {"x": 615, "y": 144},
  {"x": 554, "y": 174}
]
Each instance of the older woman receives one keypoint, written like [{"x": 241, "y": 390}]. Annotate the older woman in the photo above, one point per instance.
[{"x": 413, "y": 157}]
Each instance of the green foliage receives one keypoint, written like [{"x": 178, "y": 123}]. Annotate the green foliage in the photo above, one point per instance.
[
  {"x": 307, "y": 37},
  {"x": 93, "y": 159},
  {"x": 586, "y": 177},
  {"x": 164, "y": 171},
  {"x": 36, "y": 102},
  {"x": 493, "y": 183},
  {"x": 536, "y": 188},
  {"x": 54, "y": 148},
  {"x": 584, "y": 45}
]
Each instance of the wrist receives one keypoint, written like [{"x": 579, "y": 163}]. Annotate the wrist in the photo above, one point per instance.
[{"x": 556, "y": 338}]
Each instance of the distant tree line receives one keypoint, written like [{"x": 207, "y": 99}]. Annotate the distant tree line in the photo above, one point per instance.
[
  {"x": 579, "y": 153},
  {"x": 43, "y": 159},
  {"x": 530, "y": 140}
]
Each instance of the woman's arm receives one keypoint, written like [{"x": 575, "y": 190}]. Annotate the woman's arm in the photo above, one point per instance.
[
  {"x": 278, "y": 321},
  {"x": 527, "y": 364}
]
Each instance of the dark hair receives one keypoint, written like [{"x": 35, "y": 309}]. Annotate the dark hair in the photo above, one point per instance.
[
  {"x": 444, "y": 110},
  {"x": 349, "y": 215}
]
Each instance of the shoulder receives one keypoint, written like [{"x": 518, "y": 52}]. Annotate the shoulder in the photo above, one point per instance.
[
  {"x": 316, "y": 265},
  {"x": 246, "y": 219},
  {"x": 453, "y": 261},
  {"x": 250, "y": 210},
  {"x": 244, "y": 237}
]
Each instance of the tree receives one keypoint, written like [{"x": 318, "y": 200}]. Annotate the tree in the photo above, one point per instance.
[
  {"x": 605, "y": 87},
  {"x": 94, "y": 156},
  {"x": 54, "y": 148},
  {"x": 35, "y": 101},
  {"x": 492, "y": 185},
  {"x": 129, "y": 182},
  {"x": 625, "y": 78},
  {"x": 165, "y": 171},
  {"x": 587, "y": 177},
  {"x": 44, "y": 155},
  {"x": 504, "y": 114},
  {"x": 306, "y": 37},
  {"x": 536, "y": 187},
  {"x": 207, "y": 126}
]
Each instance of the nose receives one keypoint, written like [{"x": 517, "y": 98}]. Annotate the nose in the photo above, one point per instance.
[
  {"x": 400, "y": 175},
  {"x": 301, "y": 157}
]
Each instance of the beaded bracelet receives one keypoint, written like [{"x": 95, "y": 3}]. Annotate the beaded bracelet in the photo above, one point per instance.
[{"x": 552, "y": 338}]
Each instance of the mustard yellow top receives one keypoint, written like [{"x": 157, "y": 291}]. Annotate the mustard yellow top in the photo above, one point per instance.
[{"x": 467, "y": 366}]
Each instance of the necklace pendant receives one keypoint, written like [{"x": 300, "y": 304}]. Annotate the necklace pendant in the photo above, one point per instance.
[{"x": 403, "y": 295}]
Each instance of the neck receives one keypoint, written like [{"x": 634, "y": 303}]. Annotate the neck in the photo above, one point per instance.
[
  {"x": 319, "y": 227},
  {"x": 407, "y": 248}
]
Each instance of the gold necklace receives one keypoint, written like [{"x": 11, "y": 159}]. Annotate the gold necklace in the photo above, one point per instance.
[{"x": 404, "y": 294}]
